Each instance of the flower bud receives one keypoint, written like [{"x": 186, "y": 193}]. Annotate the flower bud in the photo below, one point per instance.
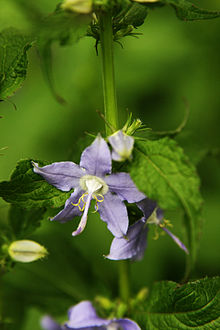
[
  {"x": 122, "y": 146},
  {"x": 78, "y": 6},
  {"x": 26, "y": 251},
  {"x": 104, "y": 302}
]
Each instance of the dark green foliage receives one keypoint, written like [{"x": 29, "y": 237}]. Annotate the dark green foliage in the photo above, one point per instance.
[
  {"x": 163, "y": 172},
  {"x": 134, "y": 15},
  {"x": 13, "y": 61},
  {"x": 193, "y": 305},
  {"x": 28, "y": 190},
  {"x": 187, "y": 11},
  {"x": 23, "y": 222}
]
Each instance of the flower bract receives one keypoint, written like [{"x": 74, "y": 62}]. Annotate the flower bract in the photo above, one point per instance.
[{"x": 92, "y": 179}]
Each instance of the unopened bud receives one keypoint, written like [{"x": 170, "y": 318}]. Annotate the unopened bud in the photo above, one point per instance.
[
  {"x": 78, "y": 6},
  {"x": 122, "y": 146},
  {"x": 26, "y": 251},
  {"x": 104, "y": 302},
  {"x": 142, "y": 294}
]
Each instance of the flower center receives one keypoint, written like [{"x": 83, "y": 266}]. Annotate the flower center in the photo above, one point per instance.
[{"x": 93, "y": 185}]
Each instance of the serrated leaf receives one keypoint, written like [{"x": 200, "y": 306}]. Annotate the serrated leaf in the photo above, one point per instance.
[
  {"x": 27, "y": 189},
  {"x": 163, "y": 172},
  {"x": 187, "y": 11},
  {"x": 13, "y": 61},
  {"x": 23, "y": 222},
  {"x": 195, "y": 305}
]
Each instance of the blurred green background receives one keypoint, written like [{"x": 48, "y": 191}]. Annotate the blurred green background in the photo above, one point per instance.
[{"x": 172, "y": 60}]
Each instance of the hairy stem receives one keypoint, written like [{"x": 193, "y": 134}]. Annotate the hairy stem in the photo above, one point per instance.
[
  {"x": 111, "y": 115},
  {"x": 108, "y": 75}
]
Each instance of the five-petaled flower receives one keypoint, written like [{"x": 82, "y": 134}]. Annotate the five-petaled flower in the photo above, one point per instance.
[
  {"x": 135, "y": 243},
  {"x": 92, "y": 179},
  {"x": 83, "y": 316}
]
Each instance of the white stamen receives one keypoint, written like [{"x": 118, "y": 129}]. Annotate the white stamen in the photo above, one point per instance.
[{"x": 83, "y": 220}]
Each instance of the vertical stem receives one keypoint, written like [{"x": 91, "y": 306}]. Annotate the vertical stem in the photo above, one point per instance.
[
  {"x": 124, "y": 285},
  {"x": 108, "y": 74},
  {"x": 111, "y": 115}
]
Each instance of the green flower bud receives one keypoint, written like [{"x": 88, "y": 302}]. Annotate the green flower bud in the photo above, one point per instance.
[
  {"x": 78, "y": 6},
  {"x": 26, "y": 251},
  {"x": 142, "y": 294},
  {"x": 104, "y": 302}
]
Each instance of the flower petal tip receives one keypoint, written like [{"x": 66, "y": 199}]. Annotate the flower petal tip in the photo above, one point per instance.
[
  {"x": 77, "y": 232},
  {"x": 186, "y": 250}
]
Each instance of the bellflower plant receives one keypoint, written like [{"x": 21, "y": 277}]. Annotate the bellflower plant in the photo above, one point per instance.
[
  {"x": 156, "y": 163},
  {"x": 134, "y": 245},
  {"x": 92, "y": 180},
  {"x": 84, "y": 316}
]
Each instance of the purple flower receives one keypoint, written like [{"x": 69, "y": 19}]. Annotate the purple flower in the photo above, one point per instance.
[
  {"x": 134, "y": 245},
  {"x": 91, "y": 180},
  {"x": 83, "y": 316}
]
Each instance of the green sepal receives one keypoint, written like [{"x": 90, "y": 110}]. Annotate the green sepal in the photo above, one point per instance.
[
  {"x": 195, "y": 305},
  {"x": 164, "y": 173},
  {"x": 126, "y": 17},
  {"x": 27, "y": 189},
  {"x": 13, "y": 61}
]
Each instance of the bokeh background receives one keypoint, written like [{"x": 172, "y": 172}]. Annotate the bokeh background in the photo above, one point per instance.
[{"x": 172, "y": 60}]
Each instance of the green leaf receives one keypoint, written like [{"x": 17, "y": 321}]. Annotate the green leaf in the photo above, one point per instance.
[
  {"x": 195, "y": 305},
  {"x": 135, "y": 15},
  {"x": 29, "y": 190},
  {"x": 163, "y": 172},
  {"x": 187, "y": 11},
  {"x": 13, "y": 61},
  {"x": 23, "y": 222},
  {"x": 66, "y": 28}
]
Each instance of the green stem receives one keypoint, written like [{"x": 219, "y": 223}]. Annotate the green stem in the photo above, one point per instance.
[
  {"x": 111, "y": 115},
  {"x": 124, "y": 286},
  {"x": 108, "y": 75}
]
